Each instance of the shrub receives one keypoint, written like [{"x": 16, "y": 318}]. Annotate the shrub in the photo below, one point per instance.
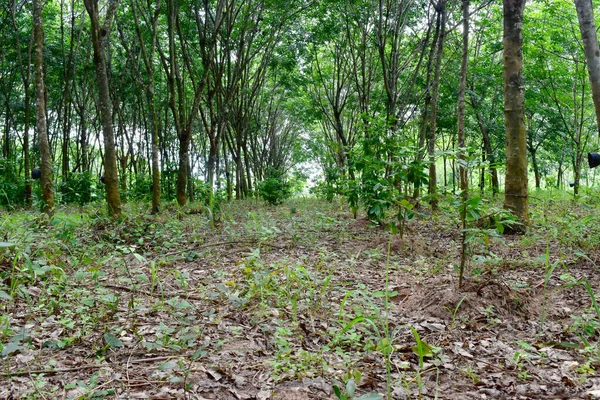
[
  {"x": 274, "y": 189},
  {"x": 12, "y": 186},
  {"x": 80, "y": 188}
]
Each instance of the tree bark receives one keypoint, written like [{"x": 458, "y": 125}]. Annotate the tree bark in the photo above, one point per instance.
[
  {"x": 487, "y": 144},
  {"x": 41, "y": 126},
  {"x": 515, "y": 191},
  {"x": 464, "y": 183},
  {"x": 113, "y": 196},
  {"x": 587, "y": 27},
  {"x": 441, "y": 8},
  {"x": 25, "y": 77}
]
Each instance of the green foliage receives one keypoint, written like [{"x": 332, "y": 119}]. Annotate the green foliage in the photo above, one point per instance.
[
  {"x": 387, "y": 170},
  {"x": 80, "y": 188},
  {"x": 331, "y": 186},
  {"x": 275, "y": 188},
  {"x": 12, "y": 186},
  {"x": 141, "y": 187}
]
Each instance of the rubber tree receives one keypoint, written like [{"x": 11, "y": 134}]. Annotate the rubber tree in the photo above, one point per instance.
[
  {"x": 99, "y": 36},
  {"x": 515, "y": 190},
  {"x": 25, "y": 70},
  {"x": 587, "y": 26},
  {"x": 40, "y": 109},
  {"x": 464, "y": 179},
  {"x": 150, "y": 13}
]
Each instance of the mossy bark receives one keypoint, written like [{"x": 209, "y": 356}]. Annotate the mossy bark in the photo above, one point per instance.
[
  {"x": 515, "y": 190},
  {"x": 113, "y": 197}
]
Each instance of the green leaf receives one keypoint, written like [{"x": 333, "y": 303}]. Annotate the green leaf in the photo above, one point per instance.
[
  {"x": 337, "y": 391},
  {"x": 7, "y": 245},
  {"x": 112, "y": 341},
  {"x": 168, "y": 365},
  {"x": 380, "y": 293},
  {"x": 10, "y": 348},
  {"x": 350, "y": 387},
  {"x": 370, "y": 396},
  {"x": 5, "y": 296}
]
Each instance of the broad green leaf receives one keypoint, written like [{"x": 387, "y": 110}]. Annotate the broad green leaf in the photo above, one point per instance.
[
  {"x": 112, "y": 341},
  {"x": 168, "y": 365},
  {"x": 5, "y": 296},
  {"x": 10, "y": 348},
  {"x": 350, "y": 387}
]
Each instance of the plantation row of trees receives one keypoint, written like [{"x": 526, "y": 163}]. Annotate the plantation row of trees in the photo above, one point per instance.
[{"x": 188, "y": 99}]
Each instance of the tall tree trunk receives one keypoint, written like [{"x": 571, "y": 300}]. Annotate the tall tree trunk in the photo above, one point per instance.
[
  {"x": 462, "y": 150},
  {"x": 587, "y": 27},
  {"x": 26, "y": 78},
  {"x": 464, "y": 183},
  {"x": 6, "y": 142},
  {"x": 46, "y": 167},
  {"x": 148, "y": 57},
  {"x": 515, "y": 190},
  {"x": 113, "y": 197},
  {"x": 424, "y": 134},
  {"x": 441, "y": 8}
]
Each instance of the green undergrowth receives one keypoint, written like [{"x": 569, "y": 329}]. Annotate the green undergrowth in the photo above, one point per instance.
[{"x": 186, "y": 285}]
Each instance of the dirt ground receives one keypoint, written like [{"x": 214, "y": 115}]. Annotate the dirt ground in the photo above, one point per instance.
[{"x": 283, "y": 303}]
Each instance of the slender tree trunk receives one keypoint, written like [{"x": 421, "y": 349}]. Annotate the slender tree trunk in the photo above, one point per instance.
[
  {"x": 148, "y": 56},
  {"x": 26, "y": 157},
  {"x": 423, "y": 134},
  {"x": 6, "y": 142},
  {"x": 587, "y": 26},
  {"x": 46, "y": 167},
  {"x": 434, "y": 100},
  {"x": 113, "y": 197},
  {"x": 536, "y": 168},
  {"x": 464, "y": 183},
  {"x": 26, "y": 78},
  {"x": 515, "y": 190}
]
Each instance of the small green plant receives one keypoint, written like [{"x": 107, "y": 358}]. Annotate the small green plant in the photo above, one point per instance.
[
  {"x": 347, "y": 391},
  {"x": 470, "y": 373}
]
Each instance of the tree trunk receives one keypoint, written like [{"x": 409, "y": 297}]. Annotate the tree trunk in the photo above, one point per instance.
[
  {"x": 113, "y": 197},
  {"x": 464, "y": 183},
  {"x": 26, "y": 78},
  {"x": 515, "y": 191},
  {"x": 587, "y": 27},
  {"x": 462, "y": 150},
  {"x": 434, "y": 100},
  {"x": 536, "y": 168},
  {"x": 423, "y": 134},
  {"x": 46, "y": 166},
  {"x": 6, "y": 142}
]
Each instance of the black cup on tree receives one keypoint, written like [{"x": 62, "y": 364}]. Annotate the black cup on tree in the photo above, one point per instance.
[
  {"x": 593, "y": 159},
  {"x": 36, "y": 173},
  {"x": 103, "y": 180}
]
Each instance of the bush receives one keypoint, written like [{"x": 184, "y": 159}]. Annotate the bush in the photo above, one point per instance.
[
  {"x": 274, "y": 189},
  {"x": 331, "y": 186},
  {"x": 141, "y": 187},
  {"x": 80, "y": 188},
  {"x": 12, "y": 186}
]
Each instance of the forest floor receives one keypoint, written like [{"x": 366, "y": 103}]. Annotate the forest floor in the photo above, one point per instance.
[{"x": 286, "y": 302}]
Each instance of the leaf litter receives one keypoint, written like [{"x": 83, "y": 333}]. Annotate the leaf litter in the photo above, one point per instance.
[{"x": 286, "y": 303}]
